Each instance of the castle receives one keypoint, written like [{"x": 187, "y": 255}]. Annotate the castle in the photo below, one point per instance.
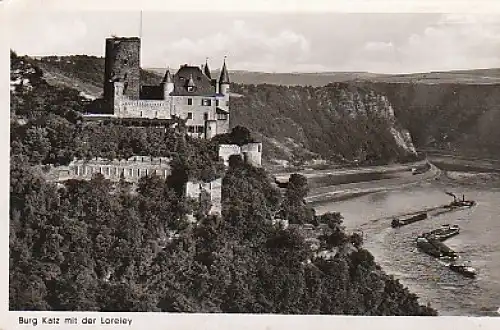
[{"x": 190, "y": 94}]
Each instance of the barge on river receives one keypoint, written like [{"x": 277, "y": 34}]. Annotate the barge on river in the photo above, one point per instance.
[
  {"x": 409, "y": 219},
  {"x": 443, "y": 233},
  {"x": 436, "y": 248},
  {"x": 463, "y": 269}
]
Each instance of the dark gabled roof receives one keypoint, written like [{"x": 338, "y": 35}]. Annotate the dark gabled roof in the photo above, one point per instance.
[
  {"x": 224, "y": 75},
  {"x": 167, "y": 78},
  {"x": 199, "y": 80},
  {"x": 206, "y": 70}
]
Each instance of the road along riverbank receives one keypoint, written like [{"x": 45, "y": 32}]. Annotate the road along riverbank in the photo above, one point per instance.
[{"x": 394, "y": 178}]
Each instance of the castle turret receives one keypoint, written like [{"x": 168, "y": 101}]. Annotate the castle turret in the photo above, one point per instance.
[
  {"x": 223, "y": 101},
  {"x": 206, "y": 70},
  {"x": 167, "y": 83},
  {"x": 224, "y": 80}
]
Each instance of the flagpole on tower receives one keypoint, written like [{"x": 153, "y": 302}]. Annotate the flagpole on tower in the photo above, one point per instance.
[
  {"x": 140, "y": 37},
  {"x": 140, "y": 25}
]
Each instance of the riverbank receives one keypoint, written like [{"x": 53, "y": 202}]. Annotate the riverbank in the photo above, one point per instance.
[{"x": 394, "y": 179}]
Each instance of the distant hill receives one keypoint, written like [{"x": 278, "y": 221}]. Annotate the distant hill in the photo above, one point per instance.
[
  {"x": 289, "y": 79},
  {"x": 317, "y": 79}
]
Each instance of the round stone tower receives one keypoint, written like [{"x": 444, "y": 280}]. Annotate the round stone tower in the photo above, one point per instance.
[{"x": 122, "y": 64}]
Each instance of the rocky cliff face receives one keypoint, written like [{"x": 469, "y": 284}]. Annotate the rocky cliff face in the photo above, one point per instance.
[
  {"x": 462, "y": 118},
  {"x": 340, "y": 121}
]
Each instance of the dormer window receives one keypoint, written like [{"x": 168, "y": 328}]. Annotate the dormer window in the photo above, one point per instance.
[{"x": 190, "y": 84}]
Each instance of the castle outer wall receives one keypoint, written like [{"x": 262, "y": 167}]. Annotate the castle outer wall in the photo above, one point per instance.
[
  {"x": 214, "y": 190},
  {"x": 131, "y": 169},
  {"x": 251, "y": 153}
]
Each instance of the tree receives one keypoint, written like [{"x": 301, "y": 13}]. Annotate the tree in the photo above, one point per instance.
[{"x": 297, "y": 188}]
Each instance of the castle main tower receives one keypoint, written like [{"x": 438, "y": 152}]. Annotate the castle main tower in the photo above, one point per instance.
[{"x": 122, "y": 65}]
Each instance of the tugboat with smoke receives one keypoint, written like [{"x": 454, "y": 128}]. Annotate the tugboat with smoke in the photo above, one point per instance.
[{"x": 457, "y": 202}]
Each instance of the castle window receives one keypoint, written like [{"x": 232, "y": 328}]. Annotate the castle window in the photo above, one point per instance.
[
  {"x": 205, "y": 116},
  {"x": 141, "y": 113},
  {"x": 221, "y": 116},
  {"x": 227, "y": 103},
  {"x": 138, "y": 172},
  {"x": 206, "y": 102},
  {"x": 190, "y": 101},
  {"x": 156, "y": 114},
  {"x": 190, "y": 129},
  {"x": 259, "y": 148},
  {"x": 131, "y": 172},
  {"x": 217, "y": 102},
  {"x": 190, "y": 115},
  {"x": 199, "y": 129}
]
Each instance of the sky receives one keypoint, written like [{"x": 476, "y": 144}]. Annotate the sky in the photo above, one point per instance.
[{"x": 272, "y": 42}]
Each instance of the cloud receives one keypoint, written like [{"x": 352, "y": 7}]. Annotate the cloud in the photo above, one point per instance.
[
  {"x": 378, "y": 46},
  {"x": 456, "y": 42},
  {"x": 452, "y": 42},
  {"x": 302, "y": 42},
  {"x": 43, "y": 33},
  {"x": 245, "y": 44}
]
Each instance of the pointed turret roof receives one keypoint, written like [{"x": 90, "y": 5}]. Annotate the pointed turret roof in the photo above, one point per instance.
[
  {"x": 206, "y": 70},
  {"x": 168, "y": 77},
  {"x": 224, "y": 75}
]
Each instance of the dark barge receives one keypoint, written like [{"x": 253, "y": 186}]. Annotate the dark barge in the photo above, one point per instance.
[
  {"x": 409, "y": 219},
  {"x": 463, "y": 269},
  {"x": 436, "y": 248},
  {"x": 443, "y": 233}
]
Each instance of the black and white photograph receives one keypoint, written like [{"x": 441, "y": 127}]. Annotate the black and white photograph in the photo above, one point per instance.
[{"x": 233, "y": 162}]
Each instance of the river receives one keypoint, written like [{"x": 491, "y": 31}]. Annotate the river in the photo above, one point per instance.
[{"x": 395, "y": 249}]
